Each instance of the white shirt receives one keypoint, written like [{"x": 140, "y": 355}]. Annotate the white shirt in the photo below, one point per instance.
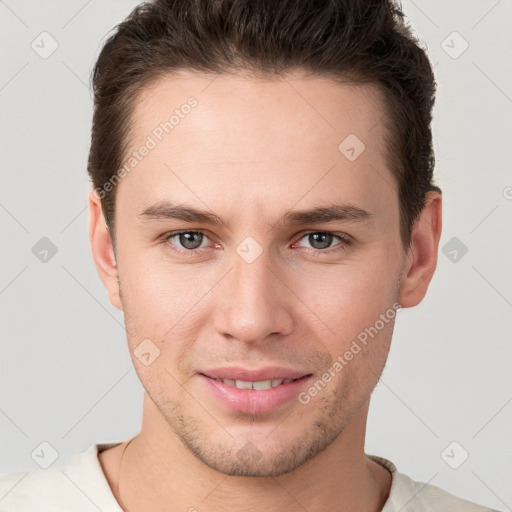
[{"x": 78, "y": 484}]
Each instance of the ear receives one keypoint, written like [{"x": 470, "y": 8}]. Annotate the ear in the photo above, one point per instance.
[
  {"x": 422, "y": 254},
  {"x": 103, "y": 250}
]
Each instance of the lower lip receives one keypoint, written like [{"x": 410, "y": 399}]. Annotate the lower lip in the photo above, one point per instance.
[{"x": 252, "y": 401}]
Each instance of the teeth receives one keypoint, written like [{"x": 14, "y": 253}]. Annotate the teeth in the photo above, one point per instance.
[
  {"x": 242, "y": 384},
  {"x": 263, "y": 384}
]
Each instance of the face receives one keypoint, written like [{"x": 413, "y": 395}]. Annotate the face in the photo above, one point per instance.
[{"x": 255, "y": 290}]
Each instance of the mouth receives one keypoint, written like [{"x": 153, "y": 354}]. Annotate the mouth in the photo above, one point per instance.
[
  {"x": 255, "y": 394},
  {"x": 257, "y": 385}
]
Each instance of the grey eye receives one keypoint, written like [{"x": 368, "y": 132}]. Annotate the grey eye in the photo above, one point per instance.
[
  {"x": 190, "y": 239},
  {"x": 320, "y": 240}
]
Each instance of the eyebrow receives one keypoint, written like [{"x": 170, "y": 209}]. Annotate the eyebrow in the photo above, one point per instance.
[{"x": 165, "y": 210}]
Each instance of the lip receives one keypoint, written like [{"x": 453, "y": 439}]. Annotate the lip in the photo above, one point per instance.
[
  {"x": 251, "y": 401},
  {"x": 267, "y": 373}
]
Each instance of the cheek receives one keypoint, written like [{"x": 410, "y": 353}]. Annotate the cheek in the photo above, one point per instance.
[
  {"x": 164, "y": 301},
  {"x": 152, "y": 288},
  {"x": 346, "y": 299},
  {"x": 161, "y": 303}
]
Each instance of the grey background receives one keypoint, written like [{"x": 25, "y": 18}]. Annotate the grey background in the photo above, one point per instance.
[{"x": 65, "y": 373}]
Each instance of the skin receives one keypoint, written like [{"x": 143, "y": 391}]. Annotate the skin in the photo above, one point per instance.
[{"x": 250, "y": 151}]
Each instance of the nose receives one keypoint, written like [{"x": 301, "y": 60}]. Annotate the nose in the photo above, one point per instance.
[{"x": 253, "y": 301}]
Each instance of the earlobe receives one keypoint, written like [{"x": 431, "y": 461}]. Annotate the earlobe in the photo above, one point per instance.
[
  {"x": 422, "y": 256},
  {"x": 103, "y": 250}
]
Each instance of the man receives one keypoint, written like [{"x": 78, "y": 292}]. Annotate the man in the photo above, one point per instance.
[{"x": 262, "y": 200}]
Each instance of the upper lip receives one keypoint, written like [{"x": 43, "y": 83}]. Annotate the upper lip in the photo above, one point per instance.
[{"x": 256, "y": 375}]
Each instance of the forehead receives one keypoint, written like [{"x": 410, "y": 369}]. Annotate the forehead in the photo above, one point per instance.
[
  {"x": 234, "y": 138},
  {"x": 311, "y": 108}
]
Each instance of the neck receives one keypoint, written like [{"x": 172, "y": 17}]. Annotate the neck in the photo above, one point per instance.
[{"x": 157, "y": 470}]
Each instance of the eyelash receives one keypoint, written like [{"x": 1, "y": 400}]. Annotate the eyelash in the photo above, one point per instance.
[{"x": 345, "y": 242}]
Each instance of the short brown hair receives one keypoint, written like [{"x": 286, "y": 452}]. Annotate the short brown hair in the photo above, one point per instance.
[{"x": 361, "y": 41}]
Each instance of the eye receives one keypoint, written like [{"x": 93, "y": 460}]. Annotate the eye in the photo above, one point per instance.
[
  {"x": 193, "y": 241},
  {"x": 185, "y": 241},
  {"x": 321, "y": 241}
]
